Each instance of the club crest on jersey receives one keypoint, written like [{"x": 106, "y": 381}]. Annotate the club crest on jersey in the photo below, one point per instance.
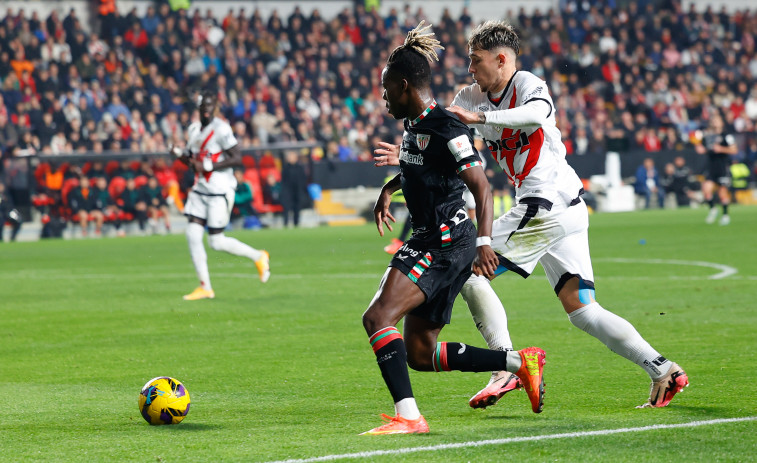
[{"x": 422, "y": 140}]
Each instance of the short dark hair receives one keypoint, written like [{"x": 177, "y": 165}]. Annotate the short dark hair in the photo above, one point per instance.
[
  {"x": 411, "y": 59},
  {"x": 494, "y": 34}
]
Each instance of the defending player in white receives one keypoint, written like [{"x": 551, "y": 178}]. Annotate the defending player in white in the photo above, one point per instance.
[
  {"x": 212, "y": 152},
  {"x": 513, "y": 111}
]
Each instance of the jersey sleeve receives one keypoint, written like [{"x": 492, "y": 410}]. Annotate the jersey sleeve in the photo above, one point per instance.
[
  {"x": 535, "y": 89},
  {"x": 461, "y": 147},
  {"x": 462, "y": 99},
  {"x": 226, "y": 138}
]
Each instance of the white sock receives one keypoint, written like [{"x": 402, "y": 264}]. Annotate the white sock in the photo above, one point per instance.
[
  {"x": 221, "y": 242},
  {"x": 407, "y": 408},
  {"x": 620, "y": 337},
  {"x": 514, "y": 361},
  {"x": 488, "y": 312},
  {"x": 195, "y": 232}
]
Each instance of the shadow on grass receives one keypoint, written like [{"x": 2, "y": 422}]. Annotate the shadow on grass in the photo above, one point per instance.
[{"x": 188, "y": 427}]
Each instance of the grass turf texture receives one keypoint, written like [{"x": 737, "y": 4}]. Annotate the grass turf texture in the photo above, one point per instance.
[{"x": 284, "y": 370}]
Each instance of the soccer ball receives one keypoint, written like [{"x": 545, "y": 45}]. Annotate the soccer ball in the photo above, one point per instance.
[{"x": 164, "y": 400}]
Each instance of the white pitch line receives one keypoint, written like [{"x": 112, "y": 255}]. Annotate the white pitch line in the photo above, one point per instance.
[
  {"x": 510, "y": 440},
  {"x": 725, "y": 270}
]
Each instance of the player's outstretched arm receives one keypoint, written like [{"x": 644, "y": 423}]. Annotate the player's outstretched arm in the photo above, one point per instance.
[
  {"x": 381, "y": 213},
  {"x": 386, "y": 155}
]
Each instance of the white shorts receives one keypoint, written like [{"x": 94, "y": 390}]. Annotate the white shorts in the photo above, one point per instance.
[
  {"x": 558, "y": 238},
  {"x": 214, "y": 209},
  {"x": 470, "y": 201}
]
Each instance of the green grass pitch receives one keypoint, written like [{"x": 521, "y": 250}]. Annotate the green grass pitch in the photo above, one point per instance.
[{"x": 284, "y": 370}]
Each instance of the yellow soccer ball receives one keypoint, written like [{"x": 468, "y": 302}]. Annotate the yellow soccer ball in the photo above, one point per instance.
[{"x": 164, "y": 400}]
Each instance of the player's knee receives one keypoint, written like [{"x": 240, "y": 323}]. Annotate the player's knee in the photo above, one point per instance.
[
  {"x": 216, "y": 240},
  {"x": 372, "y": 320},
  {"x": 419, "y": 360},
  {"x": 471, "y": 286}
]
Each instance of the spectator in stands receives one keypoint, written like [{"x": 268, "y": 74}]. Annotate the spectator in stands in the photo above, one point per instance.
[
  {"x": 104, "y": 207},
  {"x": 678, "y": 180},
  {"x": 8, "y": 214},
  {"x": 152, "y": 195},
  {"x": 81, "y": 202},
  {"x": 293, "y": 187},
  {"x": 132, "y": 203},
  {"x": 242, "y": 198},
  {"x": 648, "y": 183}
]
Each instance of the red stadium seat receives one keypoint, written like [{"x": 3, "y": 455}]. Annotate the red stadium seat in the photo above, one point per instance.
[
  {"x": 267, "y": 161},
  {"x": 116, "y": 187},
  {"x": 140, "y": 181},
  {"x": 111, "y": 167},
  {"x": 248, "y": 162},
  {"x": 253, "y": 178},
  {"x": 68, "y": 185},
  {"x": 265, "y": 172}
]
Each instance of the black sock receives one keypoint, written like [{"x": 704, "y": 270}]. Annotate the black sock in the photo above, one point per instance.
[
  {"x": 725, "y": 209},
  {"x": 391, "y": 357},
  {"x": 711, "y": 202},
  {"x": 141, "y": 219},
  {"x": 458, "y": 356}
]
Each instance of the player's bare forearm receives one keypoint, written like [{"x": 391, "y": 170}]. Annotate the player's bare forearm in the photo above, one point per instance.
[
  {"x": 393, "y": 184},
  {"x": 233, "y": 158},
  {"x": 476, "y": 181},
  {"x": 486, "y": 260},
  {"x": 386, "y": 154}
]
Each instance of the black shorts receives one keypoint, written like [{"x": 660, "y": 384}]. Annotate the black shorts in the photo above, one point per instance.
[
  {"x": 719, "y": 172},
  {"x": 439, "y": 263}
]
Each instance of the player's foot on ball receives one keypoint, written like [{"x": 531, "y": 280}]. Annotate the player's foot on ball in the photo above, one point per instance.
[
  {"x": 200, "y": 293},
  {"x": 531, "y": 374},
  {"x": 394, "y": 246},
  {"x": 501, "y": 383},
  {"x": 398, "y": 425},
  {"x": 264, "y": 270},
  {"x": 662, "y": 391}
]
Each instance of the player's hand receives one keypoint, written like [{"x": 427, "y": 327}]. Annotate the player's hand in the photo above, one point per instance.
[
  {"x": 381, "y": 212},
  {"x": 386, "y": 155},
  {"x": 465, "y": 116},
  {"x": 197, "y": 165},
  {"x": 486, "y": 262}
]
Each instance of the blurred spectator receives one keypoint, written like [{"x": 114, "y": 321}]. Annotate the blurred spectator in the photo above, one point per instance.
[
  {"x": 678, "y": 180},
  {"x": 648, "y": 183},
  {"x": 8, "y": 214},
  {"x": 294, "y": 195},
  {"x": 132, "y": 202},
  {"x": 152, "y": 195},
  {"x": 242, "y": 198}
]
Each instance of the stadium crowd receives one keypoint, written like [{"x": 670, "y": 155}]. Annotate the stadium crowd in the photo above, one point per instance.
[{"x": 647, "y": 75}]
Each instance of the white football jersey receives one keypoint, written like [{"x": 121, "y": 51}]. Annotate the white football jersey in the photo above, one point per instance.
[
  {"x": 532, "y": 157},
  {"x": 211, "y": 141}
]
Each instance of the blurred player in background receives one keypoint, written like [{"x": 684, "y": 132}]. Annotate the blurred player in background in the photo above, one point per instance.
[
  {"x": 719, "y": 146},
  {"x": 437, "y": 161},
  {"x": 212, "y": 151}
]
